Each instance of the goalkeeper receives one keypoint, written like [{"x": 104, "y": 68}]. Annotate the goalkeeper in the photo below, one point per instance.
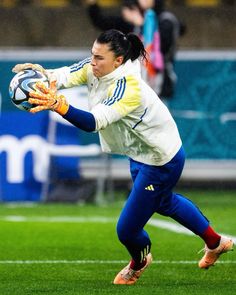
[{"x": 132, "y": 121}]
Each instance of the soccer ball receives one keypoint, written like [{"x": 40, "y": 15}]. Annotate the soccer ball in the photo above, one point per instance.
[{"x": 22, "y": 84}]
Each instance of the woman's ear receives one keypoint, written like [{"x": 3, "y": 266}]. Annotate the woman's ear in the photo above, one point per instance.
[{"x": 118, "y": 61}]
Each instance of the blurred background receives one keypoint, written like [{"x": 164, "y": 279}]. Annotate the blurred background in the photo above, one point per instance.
[
  {"x": 42, "y": 158},
  {"x": 211, "y": 23}
]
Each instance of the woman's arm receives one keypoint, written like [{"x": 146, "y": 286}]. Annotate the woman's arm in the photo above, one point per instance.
[
  {"x": 106, "y": 22},
  {"x": 81, "y": 119}
]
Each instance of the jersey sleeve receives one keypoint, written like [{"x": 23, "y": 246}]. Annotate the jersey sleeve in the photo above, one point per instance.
[
  {"x": 73, "y": 75},
  {"x": 124, "y": 96}
]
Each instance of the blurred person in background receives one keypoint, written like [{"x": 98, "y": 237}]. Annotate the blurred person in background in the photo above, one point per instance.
[
  {"x": 132, "y": 121},
  {"x": 150, "y": 35},
  {"x": 131, "y": 19},
  {"x": 171, "y": 29}
]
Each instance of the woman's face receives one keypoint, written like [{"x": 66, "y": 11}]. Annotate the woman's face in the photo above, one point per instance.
[
  {"x": 146, "y": 4},
  {"x": 103, "y": 60}
]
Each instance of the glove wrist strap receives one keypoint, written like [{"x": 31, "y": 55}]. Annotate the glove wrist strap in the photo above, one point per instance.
[{"x": 62, "y": 106}]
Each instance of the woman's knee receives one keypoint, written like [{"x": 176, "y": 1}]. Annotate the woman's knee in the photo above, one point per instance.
[{"x": 123, "y": 233}]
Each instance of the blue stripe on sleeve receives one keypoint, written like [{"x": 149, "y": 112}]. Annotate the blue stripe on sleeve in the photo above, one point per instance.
[
  {"x": 78, "y": 66},
  {"x": 118, "y": 93},
  {"x": 141, "y": 119},
  {"x": 81, "y": 119}
]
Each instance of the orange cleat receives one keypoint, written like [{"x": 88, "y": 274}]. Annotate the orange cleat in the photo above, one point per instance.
[
  {"x": 128, "y": 276},
  {"x": 211, "y": 255}
]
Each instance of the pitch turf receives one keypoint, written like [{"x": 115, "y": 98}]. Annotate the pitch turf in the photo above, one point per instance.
[{"x": 70, "y": 249}]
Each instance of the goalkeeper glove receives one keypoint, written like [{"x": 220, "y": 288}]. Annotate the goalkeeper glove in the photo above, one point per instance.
[
  {"x": 26, "y": 66},
  {"x": 21, "y": 67},
  {"x": 47, "y": 99}
]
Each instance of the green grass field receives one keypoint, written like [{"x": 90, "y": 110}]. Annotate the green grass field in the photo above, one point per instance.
[{"x": 71, "y": 249}]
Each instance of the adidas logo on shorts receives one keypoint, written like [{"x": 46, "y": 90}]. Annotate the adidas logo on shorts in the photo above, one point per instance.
[{"x": 149, "y": 188}]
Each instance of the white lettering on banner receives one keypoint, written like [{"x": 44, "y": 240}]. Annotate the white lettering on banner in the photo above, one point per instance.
[{"x": 16, "y": 150}]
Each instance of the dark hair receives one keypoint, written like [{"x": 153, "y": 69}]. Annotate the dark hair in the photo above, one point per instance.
[
  {"x": 159, "y": 6},
  {"x": 130, "y": 3},
  {"x": 129, "y": 46}
]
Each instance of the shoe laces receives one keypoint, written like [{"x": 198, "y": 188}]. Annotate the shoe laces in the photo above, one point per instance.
[
  {"x": 129, "y": 273},
  {"x": 200, "y": 251},
  {"x": 203, "y": 250}
]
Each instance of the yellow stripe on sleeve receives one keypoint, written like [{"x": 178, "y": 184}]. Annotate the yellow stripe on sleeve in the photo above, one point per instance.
[{"x": 78, "y": 73}]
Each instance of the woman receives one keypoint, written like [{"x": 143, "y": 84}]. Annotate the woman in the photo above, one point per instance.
[
  {"x": 151, "y": 38},
  {"x": 128, "y": 20},
  {"x": 131, "y": 120}
]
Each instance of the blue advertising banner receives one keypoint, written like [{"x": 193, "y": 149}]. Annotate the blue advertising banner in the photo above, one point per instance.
[{"x": 22, "y": 142}]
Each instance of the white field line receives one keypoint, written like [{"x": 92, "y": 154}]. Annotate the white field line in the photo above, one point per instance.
[
  {"x": 53, "y": 219},
  {"x": 103, "y": 262},
  {"x": 168, "y": 225}
]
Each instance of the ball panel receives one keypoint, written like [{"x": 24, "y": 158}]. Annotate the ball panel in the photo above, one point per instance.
[
  {"x": 19, "y": 95},
  {"x": 23, "y": 83},
  {"x": 25, "y": 106}
]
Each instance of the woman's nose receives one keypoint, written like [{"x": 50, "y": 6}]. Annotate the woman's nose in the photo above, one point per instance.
[{"x": 92, "y": 62}]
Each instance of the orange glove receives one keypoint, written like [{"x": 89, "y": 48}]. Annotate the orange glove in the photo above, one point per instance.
[
  {"x": 47, "y": 99},
  {"x": 21, "y": 67}
]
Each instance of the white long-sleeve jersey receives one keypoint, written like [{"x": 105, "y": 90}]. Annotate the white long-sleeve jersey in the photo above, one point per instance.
[{"x": 130, "y": 118}]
